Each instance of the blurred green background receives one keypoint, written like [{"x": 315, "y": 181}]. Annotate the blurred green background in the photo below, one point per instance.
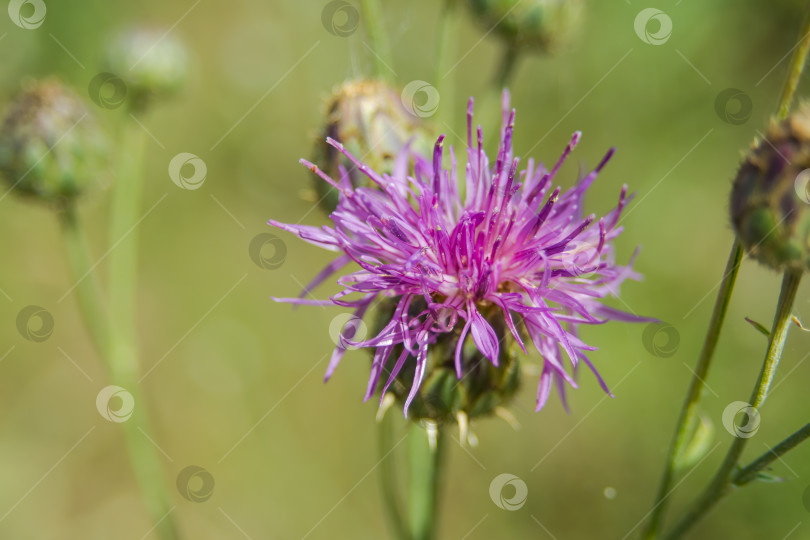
[{"x": 238, "y": 369}]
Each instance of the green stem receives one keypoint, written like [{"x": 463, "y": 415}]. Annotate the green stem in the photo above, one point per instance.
[
  {"x": 88, "y": 289},
  {"x": 491, "y": 110},
  {"x": 445, "y": 51},
  {"x": 721, "y": 484},
  {"x": 379, "y": 40},
  {"x": 690, "y": 406},
  {"x": 425, "y": 477},
  {"x": 124, "y": 213},
  {"x": 750, "y": 472},
  {"x": 797, "y": 64},
  {"x": 391, "y": 502},
  {"x": 145, "y": 462}
]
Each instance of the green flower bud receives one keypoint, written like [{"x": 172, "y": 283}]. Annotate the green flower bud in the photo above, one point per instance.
[
  {"x": 50, "y": 146},
  {"x": 369, "y": 118},
  {"x": 770, "y": 200},
  {"x": 544, "y": 25},
  {"x": 150, "y": 62},
  {"x": 483, "y": 387}
]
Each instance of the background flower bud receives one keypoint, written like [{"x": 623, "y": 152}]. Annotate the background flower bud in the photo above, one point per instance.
[
  {"x": 50, "y": 146},
  {"x": 770, "y": 199},
  {"x": 543, "y": 25},
  {"x": 370, "y": 120},
  {"x": 151, "y": 63}
]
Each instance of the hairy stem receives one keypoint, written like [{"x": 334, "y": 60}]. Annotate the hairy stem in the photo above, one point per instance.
[
  {"x": 749, "y": 473},
  {"x": 425, "y": 479},
  {"x": 690, "y": 407},
  {"x": 722, "y": 483},
  {"x": 380, "y": 46},
  {"x": 391, "y": 501}
]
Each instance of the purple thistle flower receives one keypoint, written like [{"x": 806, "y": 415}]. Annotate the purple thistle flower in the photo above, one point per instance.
[{"x": 511, "y": 243}]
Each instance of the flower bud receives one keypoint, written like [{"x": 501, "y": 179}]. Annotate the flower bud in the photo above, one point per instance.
[
  {"x": 50, "y": 146},
  {"x": 770, "y": 199},
  {"x": 543, "y": 25},
  {"x": 151, "y": 63},
  {"x": 370, "y": 120},
  {"x": 483, "y": 386}
]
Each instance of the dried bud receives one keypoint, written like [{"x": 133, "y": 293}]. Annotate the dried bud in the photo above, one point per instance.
[
  {"x": 770, "y": 199},
  {"x": 442, "y": 396},
  {"x": 544, "y": 25},
  {"x": 50, "y": 146},
  {"x": 369, "y": 118},
  {"x": 153, "y": 64}
]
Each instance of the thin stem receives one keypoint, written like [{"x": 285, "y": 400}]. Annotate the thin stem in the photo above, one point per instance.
[
  {"x": 125, "y": 206},
  {"x": 690, "y": 406},
  {"x": 445, "y": 51},
  {"x": 380, "y": 47},
  {"x": 88, "y": 289},
  {"x": 797, "y": 63},
  {"x": 749, "y": 473},
  {"x": 425, "y": 476},
  {"x": 143, "y": 457},
  {"x": 391, "y": 502},
  {"x": 721, "y": 484},
  {"x": 504, "y": 73}
]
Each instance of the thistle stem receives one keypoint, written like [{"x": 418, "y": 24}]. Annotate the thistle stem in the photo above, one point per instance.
[
  {"x": 425, "y": 479},
  {"x": 391, "y": 502},
  {"x": 690, "y": 406},
  {"x": 797, "y": 63},
  {"x": 143, "y": 457},
  {"x": 445, "y": 50},
  {"x": 722, "y": 483},
  {"x": 125, "y": 205},
  {"x": 380, "y": 47},
  {"x": 750, "y": 472}
]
